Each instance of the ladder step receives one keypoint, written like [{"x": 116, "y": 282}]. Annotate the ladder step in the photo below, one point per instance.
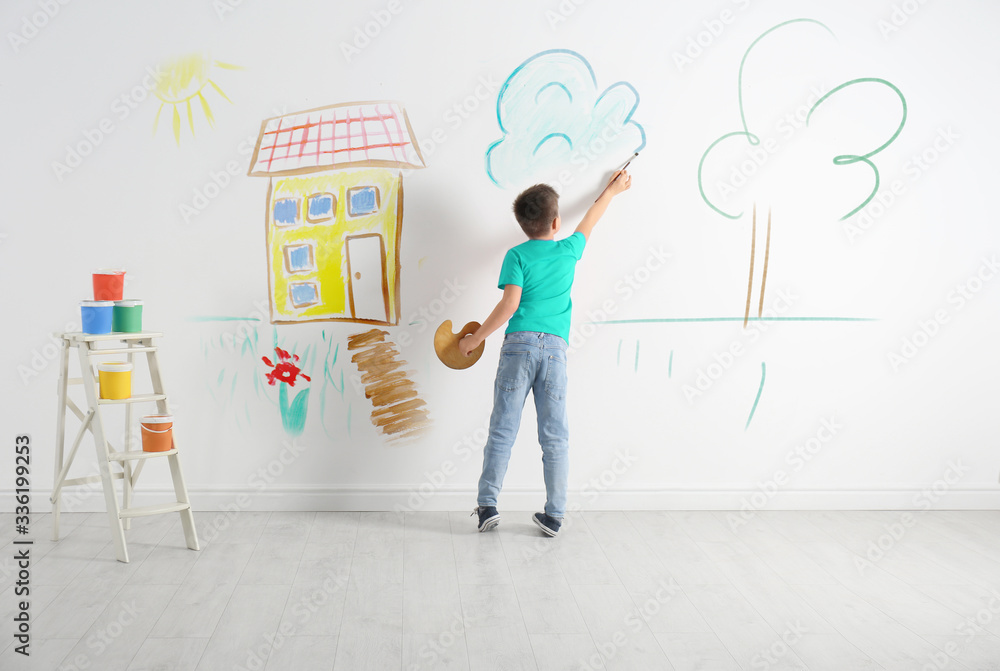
[
  {"x": 134, "y": 456},
  {"x": 158, "y": 509},
  {"x": 89, "y": 479},
  {"x": 77, "y": 337},
  {"x": 120, "y": 350},
  {"x": 135, "y": 398}
]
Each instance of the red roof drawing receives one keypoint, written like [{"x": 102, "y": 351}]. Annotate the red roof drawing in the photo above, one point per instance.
[{"x": 365, "y": 134}]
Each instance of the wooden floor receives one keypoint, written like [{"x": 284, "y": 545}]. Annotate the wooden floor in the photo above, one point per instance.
[{"x": 635, "y": 591}]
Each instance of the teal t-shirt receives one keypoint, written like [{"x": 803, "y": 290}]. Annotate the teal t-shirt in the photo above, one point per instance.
[{"x": 544, "y": 270}]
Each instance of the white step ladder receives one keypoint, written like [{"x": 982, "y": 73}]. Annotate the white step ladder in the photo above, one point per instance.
[{"x": 130, "y": 461}]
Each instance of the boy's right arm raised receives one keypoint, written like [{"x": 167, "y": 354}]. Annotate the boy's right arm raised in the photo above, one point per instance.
[{"x": 619, "y": 182}]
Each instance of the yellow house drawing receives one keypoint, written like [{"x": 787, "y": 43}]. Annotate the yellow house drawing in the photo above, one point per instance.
[{"x": 335, "y": 210}]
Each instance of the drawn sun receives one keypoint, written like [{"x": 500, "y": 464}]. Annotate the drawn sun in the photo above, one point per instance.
[{"x": 184, "y": 79}]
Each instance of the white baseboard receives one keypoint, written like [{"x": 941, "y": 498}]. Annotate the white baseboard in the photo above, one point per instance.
[{"x": 454, "y": 498}]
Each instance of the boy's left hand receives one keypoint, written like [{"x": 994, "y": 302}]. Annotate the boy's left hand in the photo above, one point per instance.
[{"x": 467, "y": 344}]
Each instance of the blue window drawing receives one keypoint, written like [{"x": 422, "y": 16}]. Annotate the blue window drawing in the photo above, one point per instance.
[
  {"x": 303, "y": 293},
  {"x": 362, "y": 200},
  {"x": 299, "y": 258},
  {"x": 321, "y": 207},
  {"x": 286, "y": 211}
]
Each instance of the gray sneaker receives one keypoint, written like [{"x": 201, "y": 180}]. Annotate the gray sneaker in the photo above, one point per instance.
[
  {"x": 549, "y": 525},
  {"x": 488, "y": 517}
]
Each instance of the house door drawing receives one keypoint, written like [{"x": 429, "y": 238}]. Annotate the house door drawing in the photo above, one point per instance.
[{"x": 366, "y": 281}]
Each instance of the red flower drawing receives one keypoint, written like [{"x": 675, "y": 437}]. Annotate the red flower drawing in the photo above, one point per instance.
[{"x": 286, "y": 370}]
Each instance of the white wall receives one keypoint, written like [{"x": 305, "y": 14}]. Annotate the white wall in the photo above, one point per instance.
[{"x": 926, "y": 425}]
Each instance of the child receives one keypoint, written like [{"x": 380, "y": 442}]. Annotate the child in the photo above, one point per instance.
[{"x": 536, "y": 278}]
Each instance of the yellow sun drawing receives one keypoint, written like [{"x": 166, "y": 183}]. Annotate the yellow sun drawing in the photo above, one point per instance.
[{"x": 184, "y": 78}]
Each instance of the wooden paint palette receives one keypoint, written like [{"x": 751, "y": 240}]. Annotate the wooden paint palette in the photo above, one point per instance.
[{"x": 446, "y": 345}]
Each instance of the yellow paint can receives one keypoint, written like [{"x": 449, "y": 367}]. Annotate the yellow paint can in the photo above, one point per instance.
[{"x": 115, "y": 378}]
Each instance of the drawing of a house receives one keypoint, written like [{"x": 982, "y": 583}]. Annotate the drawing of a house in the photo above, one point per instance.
[{"x": 335, "y": 210}]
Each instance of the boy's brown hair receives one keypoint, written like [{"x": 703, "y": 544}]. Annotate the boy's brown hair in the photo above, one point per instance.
[{"x": 536, "y": 208}]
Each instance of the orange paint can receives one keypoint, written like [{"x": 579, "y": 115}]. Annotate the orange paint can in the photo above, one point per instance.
[{"x": 157, "y": 433}]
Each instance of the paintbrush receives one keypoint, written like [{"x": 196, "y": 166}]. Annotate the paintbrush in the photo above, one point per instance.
[{"x": 617, "y": 176}]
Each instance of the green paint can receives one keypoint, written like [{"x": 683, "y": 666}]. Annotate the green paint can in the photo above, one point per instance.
[{"x": 127, "y": 316}]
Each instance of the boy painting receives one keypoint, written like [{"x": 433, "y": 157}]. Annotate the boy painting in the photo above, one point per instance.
[{"x": 536, "y": 278}]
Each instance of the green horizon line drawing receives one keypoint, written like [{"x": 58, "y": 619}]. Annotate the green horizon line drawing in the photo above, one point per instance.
[{"x": 684, "y": 320}]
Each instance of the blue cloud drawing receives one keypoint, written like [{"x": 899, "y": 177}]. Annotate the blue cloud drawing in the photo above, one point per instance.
[{"x": 550, "y": 111}]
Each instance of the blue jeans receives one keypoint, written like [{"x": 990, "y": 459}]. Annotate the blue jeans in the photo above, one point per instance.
[{"x": 533, "y": 362}]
